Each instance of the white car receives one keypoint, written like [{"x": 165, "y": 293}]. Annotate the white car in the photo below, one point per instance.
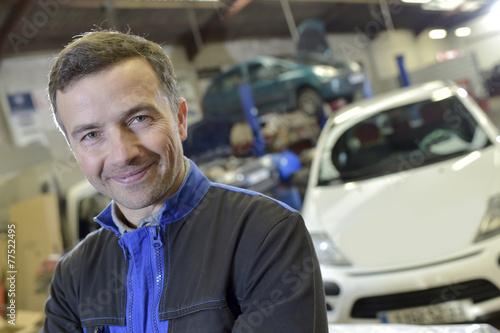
[{"x": 403, "y": 204}]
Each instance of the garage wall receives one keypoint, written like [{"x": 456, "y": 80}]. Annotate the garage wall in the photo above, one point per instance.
[
  {"x": 388, "y": 46},
  {"x": 28, "y": 74},
  {"x": 484, "y": 41},
  {"x": 380, "y": 55}
]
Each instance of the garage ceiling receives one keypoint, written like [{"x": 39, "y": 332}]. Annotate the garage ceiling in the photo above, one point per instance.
[{"x": 41, "y": 25}]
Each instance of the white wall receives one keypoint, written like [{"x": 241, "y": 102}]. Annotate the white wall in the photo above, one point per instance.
[
  {"x": 484, "y": 40},
  {"x": 28, "y": 74}
]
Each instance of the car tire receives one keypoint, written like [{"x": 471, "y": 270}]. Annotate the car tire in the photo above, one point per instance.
[{"x": 309, "y": 102}]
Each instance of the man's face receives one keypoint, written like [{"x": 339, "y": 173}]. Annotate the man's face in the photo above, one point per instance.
[{"x": 124, "y": 134}]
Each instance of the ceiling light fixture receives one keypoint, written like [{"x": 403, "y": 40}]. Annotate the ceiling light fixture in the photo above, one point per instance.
[
  {"x": 471, "y": 6},
  {"x": 463, "y": 32},
  {"x": 437, "y": 34},
  {"x": 416, "y": 1},
  {"x": 442, "y": 5},
  {"x": 164, "y": 1}
]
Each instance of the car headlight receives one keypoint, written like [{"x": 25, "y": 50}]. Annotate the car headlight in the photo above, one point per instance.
[
  {"x": 490, "y": 225},
  {"x": 355, "y": 67},
  {"x": 325, "y": 71},
  {"x": 327, "y": 252}
]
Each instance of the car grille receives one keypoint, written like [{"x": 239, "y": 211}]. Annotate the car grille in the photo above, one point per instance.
[{"x": 476, "y": 290}]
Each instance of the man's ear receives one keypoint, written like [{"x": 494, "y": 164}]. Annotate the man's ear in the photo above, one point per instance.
[{"x": 182, "y": 118}]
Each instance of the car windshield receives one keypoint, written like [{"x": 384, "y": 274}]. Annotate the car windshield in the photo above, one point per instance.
[{"x": 400, "y": 139}]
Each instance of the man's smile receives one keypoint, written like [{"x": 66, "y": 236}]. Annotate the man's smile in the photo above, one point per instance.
[{"x": 130, "y": 177}]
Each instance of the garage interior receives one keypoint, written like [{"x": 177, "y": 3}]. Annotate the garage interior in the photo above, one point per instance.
[{"x": 44, "y": 193}]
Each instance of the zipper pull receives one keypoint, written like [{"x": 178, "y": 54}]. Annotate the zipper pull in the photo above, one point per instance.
[
  {"x": 157, "y": 243},
  {"x": 99, "y": 329},
  {"x": 124, "y": 248}
]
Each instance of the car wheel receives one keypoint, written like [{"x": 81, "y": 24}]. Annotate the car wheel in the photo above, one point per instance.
[{"x": 309, "y": 102}]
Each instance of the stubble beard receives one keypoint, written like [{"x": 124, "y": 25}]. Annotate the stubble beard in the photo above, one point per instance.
[{"x": 142, "y": 194}]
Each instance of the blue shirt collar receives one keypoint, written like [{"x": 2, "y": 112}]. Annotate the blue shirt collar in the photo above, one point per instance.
[{"x": 181, "y": 203}]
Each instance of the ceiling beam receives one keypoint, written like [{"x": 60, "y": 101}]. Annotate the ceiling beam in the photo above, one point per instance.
[
  {"x": 350, "y": 2},
  {"x": 439, "y": 21},
  {"x": 235, "y": 8},
  {"x": 150, "y": 4},
  {"x": 340, "y": 11},
  {"x": 215, "y": 23},
  {"x": 145, "y": 4},
  {"x": 12, "y": 21}
]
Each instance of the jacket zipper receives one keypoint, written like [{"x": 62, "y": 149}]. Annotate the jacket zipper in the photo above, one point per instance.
[
  {"x": 129, "y": 284},
  {"x": 157, "y": 245}
]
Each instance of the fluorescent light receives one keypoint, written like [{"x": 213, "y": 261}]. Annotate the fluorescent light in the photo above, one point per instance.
[
  {"x": 416, "y": 1},
  {"x": 437, "y": 34},
  {"x": 463, "y": 32},
  {"x": 442, "y": 5},
  {"x": 471, "y": 6}
]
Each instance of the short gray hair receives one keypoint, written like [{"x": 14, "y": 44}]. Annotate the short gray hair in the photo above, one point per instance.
[{"x": 97, "y": 50}]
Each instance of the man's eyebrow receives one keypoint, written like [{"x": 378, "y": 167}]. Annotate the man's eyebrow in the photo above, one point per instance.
[
  {"x": 83, "y": 128},
  {"x": 138, "y": 108}
]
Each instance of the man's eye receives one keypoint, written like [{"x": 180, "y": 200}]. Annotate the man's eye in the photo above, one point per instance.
[
  {"x": 91, "y": 135},
  {"x": 140, "y": 119}
]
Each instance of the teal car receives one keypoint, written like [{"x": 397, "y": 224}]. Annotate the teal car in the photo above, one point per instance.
[{"x": 280, "y": 85}]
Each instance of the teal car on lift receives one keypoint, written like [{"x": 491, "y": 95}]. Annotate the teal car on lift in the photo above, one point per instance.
[{"x": 280, "y": 85}]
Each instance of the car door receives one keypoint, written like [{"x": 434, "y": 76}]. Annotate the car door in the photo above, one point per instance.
[
  {"x": 222, "y": 99},
  {"x": 269, "y": 91}
]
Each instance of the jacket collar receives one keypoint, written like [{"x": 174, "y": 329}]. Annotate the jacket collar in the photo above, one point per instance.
[{"x": 181, "y": 203}]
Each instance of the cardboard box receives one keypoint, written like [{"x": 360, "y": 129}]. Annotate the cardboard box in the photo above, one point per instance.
[
  {"x": 37, "y": 238},
  {"x": 26, "y": 322}
]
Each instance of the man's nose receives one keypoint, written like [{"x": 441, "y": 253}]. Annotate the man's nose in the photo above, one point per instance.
[{"x": 123, "y": 147}]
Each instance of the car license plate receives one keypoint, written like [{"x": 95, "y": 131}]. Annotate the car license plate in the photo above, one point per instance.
[
  {"x": 258, "y": 176},
  {"x": 442, "y": 313},
  {"x": 356, "y": 78}
]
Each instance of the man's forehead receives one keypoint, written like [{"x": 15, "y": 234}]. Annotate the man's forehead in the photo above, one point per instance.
[{"x": 134, "y": 77}]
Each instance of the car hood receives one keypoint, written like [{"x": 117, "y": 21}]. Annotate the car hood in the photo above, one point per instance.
[{"x": 414, "y": 216}]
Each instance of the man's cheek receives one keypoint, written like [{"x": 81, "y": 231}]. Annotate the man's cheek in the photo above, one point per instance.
[{"x": 90, "y": 167}]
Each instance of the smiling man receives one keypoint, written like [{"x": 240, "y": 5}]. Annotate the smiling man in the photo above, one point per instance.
[
  {"x": 125, "y": 137},
  {"x": 176, "y": 252}
]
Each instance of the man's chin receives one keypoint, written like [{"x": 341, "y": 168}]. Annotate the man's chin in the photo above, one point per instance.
[{"x": 133, "y": 205}]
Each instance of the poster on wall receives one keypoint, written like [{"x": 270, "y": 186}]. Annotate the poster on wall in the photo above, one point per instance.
[{"x": 24, "y": 121}]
